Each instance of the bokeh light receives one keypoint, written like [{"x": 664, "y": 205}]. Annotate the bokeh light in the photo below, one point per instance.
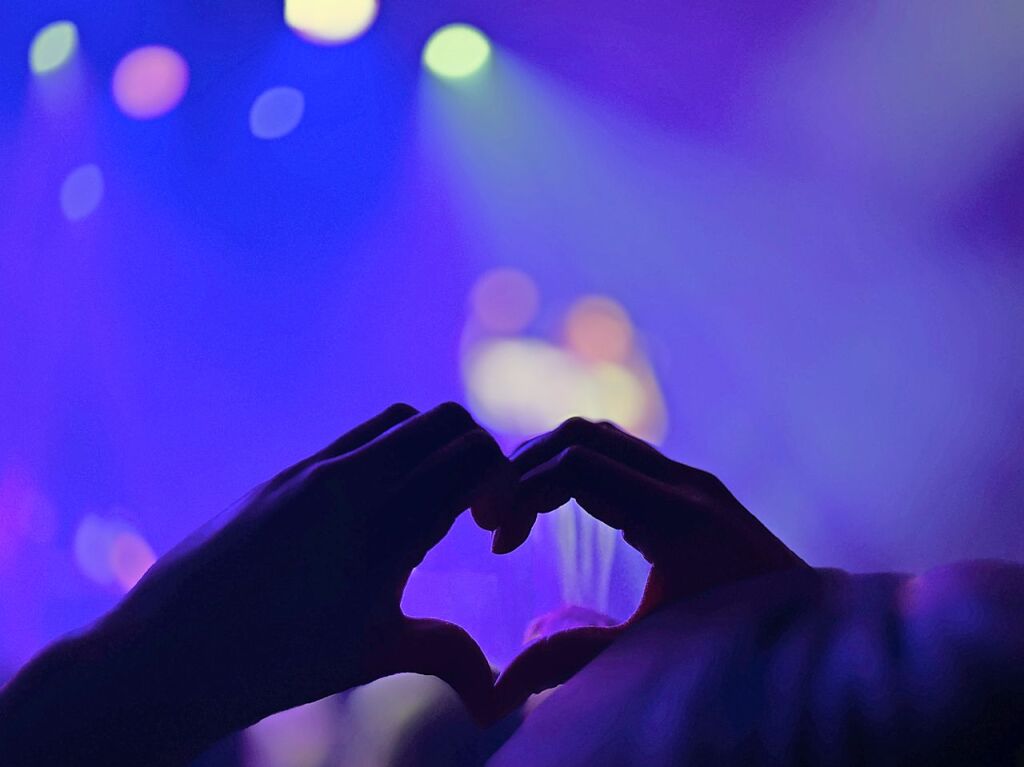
[
  {"x": 276, "y": 112},
  {"x": 598, "y": 329},
  {"x": 525, "y": 385},
  {"x": 27, "y": 515},
  {"x": 456, "y": 51},
  {"x": 522, "y": 385},
  {"x": 504, "y": 300},
  {"x": 93, "y": 542},
  {"x": 130, "y": 558},
  {"x": 81, "y": 192},
  {"x": 619, "y": 395},
  {"x": 52, "y": 47},
  {"x": 150, "y": 81},
  {"x": 330, "y": 22},
  {"x": 110, "y": 552}
]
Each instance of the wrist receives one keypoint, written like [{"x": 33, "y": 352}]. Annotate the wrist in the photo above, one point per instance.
[{"x": 172, "y": 684}]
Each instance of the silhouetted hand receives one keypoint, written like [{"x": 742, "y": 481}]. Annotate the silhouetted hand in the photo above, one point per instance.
[
  {"x": 684, "y": 521},
  {"x": 294, "y": 598}
]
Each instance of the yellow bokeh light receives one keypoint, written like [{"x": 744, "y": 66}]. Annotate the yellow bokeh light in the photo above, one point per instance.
[
  {"x": 526, "y": 385},
  {"x": 599, "y": 330},
  {"x": 619, "y": 395},
  {"x": 522, "y": 385},
  {"x": 52, "y": 47},
  {"x": 456, "y": 51},
  {"x": 330, "y": 22}
]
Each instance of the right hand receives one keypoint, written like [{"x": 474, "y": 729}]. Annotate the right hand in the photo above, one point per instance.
[{"x": 684, "y": 521}]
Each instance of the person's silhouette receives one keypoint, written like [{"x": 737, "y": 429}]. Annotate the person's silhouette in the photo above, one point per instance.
[{"x": 739, "y": 652}]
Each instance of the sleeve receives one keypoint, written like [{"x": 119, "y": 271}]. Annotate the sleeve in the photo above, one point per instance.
[
  {"x": 823, "y": 669},
  {"x": 963, "y": 634}
]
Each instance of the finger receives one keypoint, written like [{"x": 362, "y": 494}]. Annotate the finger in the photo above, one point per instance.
[
  {"x": 390, "y": 458},
  {"x": 546, "y": 488},
  {"x": 367, "y": 432},
  {"x": 605, "y": 438},
  {"x": 438, "y": 648},
  {"x": 548, "y": 663},
  {"x": 455, "y": 477},
  {"x": 513, "y": 532},
  {"x": 645, "y": 509},
  {"x": 353, "y": 439}
]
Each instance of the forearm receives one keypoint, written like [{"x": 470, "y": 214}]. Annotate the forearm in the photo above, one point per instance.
[
  {"x": 104, "y": 697},
  {"x": 157, "y": 686}
]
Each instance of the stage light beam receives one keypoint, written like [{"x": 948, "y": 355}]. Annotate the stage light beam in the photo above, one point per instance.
[
  {"x": 456, "y": 51},
  {"x": 52, "y": 47},
  {"x": 330, "y": 22}
]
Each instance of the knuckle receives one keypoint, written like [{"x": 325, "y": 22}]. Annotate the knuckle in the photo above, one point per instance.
[
  {"x": 572, "y": 457},
  {"x": 327, "y": 475},
  {"x": 707, "y": 490},
  {"x": 310, "y": 486},
  {"x": 400, "y": 410},
  {"x": 709, "y": 481},
  {"x": 489, "y": 453},
  {"x": 480, "y": 441},
  {"x": 317, "y": 474},
  {"x": 454, "y": 413},
  {"x": 575, "y": 428}
]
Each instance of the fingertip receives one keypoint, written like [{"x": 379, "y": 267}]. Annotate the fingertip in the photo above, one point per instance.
[
  {"x": 508, "y": 538},
  {"x": 499, "y": 544},
  {"x": 445, "y": 650},
  {"x": 400, "y": 411},
  {"x": 484, "y": 515},
  {"x": 491, "y": 505}
]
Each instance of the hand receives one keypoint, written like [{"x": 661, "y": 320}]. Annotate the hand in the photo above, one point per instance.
[
  {"x": 684, "y": 521},
  {"x": 297, "y": 596}
]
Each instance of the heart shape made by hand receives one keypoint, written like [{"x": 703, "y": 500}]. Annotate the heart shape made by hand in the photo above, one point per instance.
[
  {"x": 296, "y": 593},
  {"x": 684, "y": 521}
]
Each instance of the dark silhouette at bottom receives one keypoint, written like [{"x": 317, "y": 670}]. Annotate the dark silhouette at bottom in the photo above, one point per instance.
[{"x": 739, "y": 652}]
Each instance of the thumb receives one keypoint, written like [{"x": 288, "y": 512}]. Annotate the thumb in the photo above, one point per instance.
[
  {"x": 438, "y": 648},
  {"x": 549, "y": 662}
]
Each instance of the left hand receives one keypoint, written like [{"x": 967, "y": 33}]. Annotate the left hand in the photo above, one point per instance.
[{"x": 296, "y": 597}]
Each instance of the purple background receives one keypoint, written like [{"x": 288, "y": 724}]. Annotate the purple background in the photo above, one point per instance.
[{"x": 814, "y": 212}]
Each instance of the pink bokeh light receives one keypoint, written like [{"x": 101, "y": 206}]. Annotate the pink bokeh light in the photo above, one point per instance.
[
  {"x": 130, "y": 558},
  {"x": 150, "y": 81}
]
